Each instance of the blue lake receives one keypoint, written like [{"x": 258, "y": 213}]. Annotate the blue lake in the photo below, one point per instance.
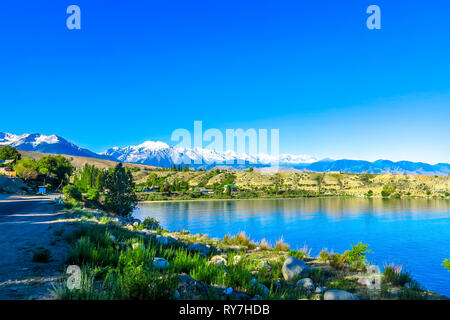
[{"x": 413, "y": 233}]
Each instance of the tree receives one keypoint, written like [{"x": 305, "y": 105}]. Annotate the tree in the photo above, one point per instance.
[
  {"x": 57, "y": 168},
  {"x": 9, "y": 153},
  {"x": 90, "y": 177},
  {"x": 72, "y": 193},
  {"x": 27, "y": 169},
  {"x": 120, "y": 197}
]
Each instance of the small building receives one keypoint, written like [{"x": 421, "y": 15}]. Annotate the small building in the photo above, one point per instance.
[
  {"x": 6, "y": 171},
  {"x": 231, "y": 186},
  {"x": 42, "y": 189}
]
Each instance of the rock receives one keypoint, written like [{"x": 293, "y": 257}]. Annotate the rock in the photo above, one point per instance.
[
  {"x": 218, "y": 261},
  {"x": 370, "y": 282},
  {"x": 339, "y": 295},
  {"x": 177, "y": 295},
  {"x": 293, "y": 267},
  {"x": 306, "y": 283},
  {"x": 149, "y": 232},
  {"x": 257, "y": 297},
  {"x": 254, "y": 273},
  {"x": 372, "y": 269},
  {"x": 319, "y": 289},
  {"x": 161, "y": 239},
  {"x": 191, "y": 289},
  {"x": 160, "y": 263},
  {"x": 201, "y": 248},
  {"x": 264, "y": 289}
]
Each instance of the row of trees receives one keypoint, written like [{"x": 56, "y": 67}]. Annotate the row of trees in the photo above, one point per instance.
[
  {"x": 112, "y": 190},
  {"x": 55, "y": 170}
]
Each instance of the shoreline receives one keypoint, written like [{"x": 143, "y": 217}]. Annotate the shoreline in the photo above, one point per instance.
[{"x": 299, "y": 198}]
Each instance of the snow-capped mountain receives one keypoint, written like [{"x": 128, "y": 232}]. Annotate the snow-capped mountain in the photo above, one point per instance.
[
  {"x": 47, "y": 144},
  {"x": 161, "y": 154}
]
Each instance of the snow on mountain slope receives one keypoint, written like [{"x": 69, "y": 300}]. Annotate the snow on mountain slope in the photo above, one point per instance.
[
  {"x": 47, "y": 144},
  {"x": 160, "y": 154}
]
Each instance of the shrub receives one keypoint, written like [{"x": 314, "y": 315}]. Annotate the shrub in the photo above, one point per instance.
[
  {"x": 357, "y": 256},
  {"x": 280, "y": 245},
  {"x": 93, "y": 194},
  {"x": 72, "y": 193},
  {"x": 151, "y": 223},
  {"x": 340, "y": 283},
  {"x": 338, "y": 261},
  {"x": 393, "y": 274},
  {"x": 446, "y": 264},
  {"x": 41, "y": 255},
  {"x": 144, "y": 283},
  {"x": 264, "y": 245},
  {"x": 86, "y": 252},
  {"x": 324, "y": 256},
  {"x": 301, "y": 254}
]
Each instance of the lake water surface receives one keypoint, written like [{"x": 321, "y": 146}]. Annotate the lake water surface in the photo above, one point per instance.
[{"x": 414, "y": 233}]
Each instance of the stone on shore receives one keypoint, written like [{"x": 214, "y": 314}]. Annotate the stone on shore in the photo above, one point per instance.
[
  {"x": 294, "y": 268},
  {"x": 339, "y": 295},
  {"x": 306, "y": 283},
  {"x": 160, "y": 263},
  {"x": 201, "y": 248}
]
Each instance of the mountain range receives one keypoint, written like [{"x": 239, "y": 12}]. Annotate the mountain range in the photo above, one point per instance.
[{"x": 161, "y": 154}]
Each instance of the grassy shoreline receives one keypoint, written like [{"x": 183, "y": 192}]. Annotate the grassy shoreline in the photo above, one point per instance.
[{"x": 118, "y": 256}]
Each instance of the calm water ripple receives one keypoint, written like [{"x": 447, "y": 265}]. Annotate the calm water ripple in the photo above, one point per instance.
[{"x": 414, "y": 233}]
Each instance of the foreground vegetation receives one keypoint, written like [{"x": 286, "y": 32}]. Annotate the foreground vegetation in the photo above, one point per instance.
[{"x": 123, "y": 258}]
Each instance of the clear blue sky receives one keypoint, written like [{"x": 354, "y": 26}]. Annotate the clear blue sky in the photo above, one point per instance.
[{"x": 140, "y": 69}]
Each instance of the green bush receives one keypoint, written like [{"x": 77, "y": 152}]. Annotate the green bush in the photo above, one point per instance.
[
  {"x": 446, "y": 264},
  {"x": 72, "y": 193},
  {"x": 356, "y": 257},
  {"x": 151, "y": 223},
  {"x": 394, "y": 275}
]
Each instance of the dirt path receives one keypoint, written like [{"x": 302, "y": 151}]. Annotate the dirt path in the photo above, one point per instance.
[{"x": 26, "y": 223}]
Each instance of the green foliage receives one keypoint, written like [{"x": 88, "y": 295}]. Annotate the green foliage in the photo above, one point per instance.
[
  {"x": 120, "y": 197},
  {"x": 388, "y": 189},
  {"x": 280, "y": 245},
  {"x": 151, "y": 223},
  {"x": 90, "y": 177},
  {"x": 27, "y": 169},
  {"x": 341, "y": 283},
  {"x": 57, "y": 168},
  {"x": 338, "y": 261},
  {"x": 93, "y": 194},
  {"x": 324, "y": 256},
  {"x": 394, "y": 275},
  {"x": 9, "y": 153},
  {"x": 357, "y": 255},
  {"x": 446, "y": 264},
  {"x": 87, "y": 252},
  {"x": 72, "y": 193},
  {"x": 369, "y": 193},
  {"x": 41, "y": 255}
]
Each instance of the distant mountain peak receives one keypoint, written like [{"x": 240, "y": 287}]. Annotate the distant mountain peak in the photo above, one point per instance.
[{"x": 46, "y": 143}]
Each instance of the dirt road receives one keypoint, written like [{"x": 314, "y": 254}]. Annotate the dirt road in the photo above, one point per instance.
[{"x": 27, "y": 223}]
